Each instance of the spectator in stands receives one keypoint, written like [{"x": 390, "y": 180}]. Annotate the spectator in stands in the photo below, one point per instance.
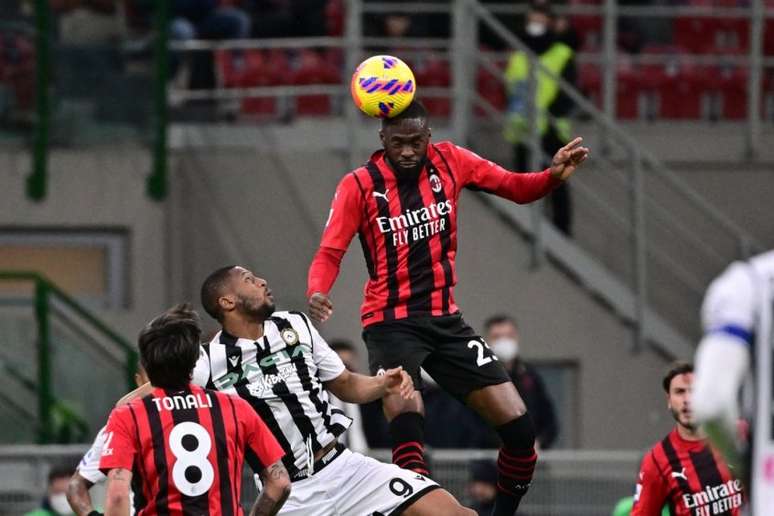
[
  {"x": 287, "y": 18},
  {"x": 482, "y": 488},
  {"x": 369, "y": 427},
  {"x": 553, "y": 107},
  {"x": 502, "y": 335},
  {"x": 55, "y": 502},
  {"x": 208, "y": 19}
]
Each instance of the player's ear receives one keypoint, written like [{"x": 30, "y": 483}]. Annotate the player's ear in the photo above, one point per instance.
[
  {"x": 227, "y": 303},
  {"x": 382, "y": 137}
]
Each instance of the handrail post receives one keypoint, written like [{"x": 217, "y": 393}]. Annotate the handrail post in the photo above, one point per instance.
[
  {"x": 45, "y": 400},
  {"x": 609, "y": 84},
  {"x": 465, "y": 40},
  {"x": 757, "y": 14},
  {"x": 157, "y": 182},
  {"x": 353, "y": 34},
  {"x": 639, "y": 250},
  {"x": 535, "y": 158},
  {"x": 36, "y": 181}
]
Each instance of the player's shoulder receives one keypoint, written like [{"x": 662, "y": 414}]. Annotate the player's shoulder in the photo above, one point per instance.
[
  {"x": 737, "y": 280},
  {"x": 763, "y": 264},
  {"x": 293, "y": 317}
]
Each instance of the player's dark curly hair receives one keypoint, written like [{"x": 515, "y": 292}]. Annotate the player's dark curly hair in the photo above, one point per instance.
[
  {"x": 212, "y": 289},
  {"x": 415, "y": 110},
  {"x": 675, "y": 369},
  {"x": 169, "y": 347}
]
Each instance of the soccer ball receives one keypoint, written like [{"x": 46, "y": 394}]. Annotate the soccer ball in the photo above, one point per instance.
[{"x": 383, "y": 86}]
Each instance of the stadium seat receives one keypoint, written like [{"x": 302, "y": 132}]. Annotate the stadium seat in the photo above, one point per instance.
[
  {"x": 250, "y": 68},
  {"x": 491, "y": 89},
  {"x": 590, "y": 82},
  {"x": 733, "y": 93},
  {"x": 334, "y": 17},
  {"x": 314, "y": 69},
  {"x": 435, "y": 73},
  {"x": 695, "y": 34},
  {"x": 588, "y": 26}
]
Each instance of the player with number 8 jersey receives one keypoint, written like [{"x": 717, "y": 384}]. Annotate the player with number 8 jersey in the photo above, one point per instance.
[{"x": 186, "y": 444}]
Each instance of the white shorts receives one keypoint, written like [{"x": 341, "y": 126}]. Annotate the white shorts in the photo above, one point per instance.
[{"x": 356, "y": 485}]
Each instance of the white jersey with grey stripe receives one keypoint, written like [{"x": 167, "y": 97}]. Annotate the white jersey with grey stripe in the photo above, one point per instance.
[
  {"x": 281, "y": 375},
  {"x": 740, "y": 305}
]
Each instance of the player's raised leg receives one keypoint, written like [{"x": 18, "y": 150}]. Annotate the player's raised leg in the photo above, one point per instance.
[
  {"x": 406, "y": 420},
  {"x": 392, "y": 344},
  {"x": 502, "y": 407}
]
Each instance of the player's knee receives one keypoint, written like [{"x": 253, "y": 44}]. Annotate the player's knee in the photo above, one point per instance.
[
  {"x": 519, "y": 433},
  {"x": 395, "y": 405}
]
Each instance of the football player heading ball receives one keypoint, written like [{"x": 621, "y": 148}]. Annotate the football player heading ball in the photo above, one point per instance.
[{"x": 403, "y": 206}]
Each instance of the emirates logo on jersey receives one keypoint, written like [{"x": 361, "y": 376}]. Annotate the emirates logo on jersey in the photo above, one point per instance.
[
  {"x": 414, "y": 225},
  {"x": 715, "y": 499},
  {"x": 435, "y": 183}
]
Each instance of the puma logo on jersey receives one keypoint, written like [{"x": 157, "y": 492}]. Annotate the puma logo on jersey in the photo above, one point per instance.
[
  {"x": 680, "y": 474},
  {"x": 382, "y": 195}
]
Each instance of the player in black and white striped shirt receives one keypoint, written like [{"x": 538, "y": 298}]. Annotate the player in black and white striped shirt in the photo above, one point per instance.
[{"x": 279, "y": 363}]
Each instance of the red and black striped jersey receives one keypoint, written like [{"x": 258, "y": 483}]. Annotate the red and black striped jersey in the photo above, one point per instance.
[
  {"x": 407, "y": 225},
  {"x": 689, "y": 477},
  {"x": 188, "y": 448}
]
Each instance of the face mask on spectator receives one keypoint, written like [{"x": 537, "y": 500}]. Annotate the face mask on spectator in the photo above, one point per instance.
[
  {"x": 536, "y": 28},
  {"x": 59, "y": 503},
  {"x": 505, "y": 348}
]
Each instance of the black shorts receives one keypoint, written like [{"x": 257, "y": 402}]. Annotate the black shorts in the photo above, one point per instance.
[{"x": 445, "y": 346}]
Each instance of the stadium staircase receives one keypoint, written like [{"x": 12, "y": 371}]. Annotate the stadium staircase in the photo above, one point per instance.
[
  {"x": 645, "y": 243},
  {"x": 60, "y": 366}
]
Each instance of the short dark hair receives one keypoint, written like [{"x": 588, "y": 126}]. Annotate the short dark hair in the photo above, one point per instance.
[
  {"x": 499, "y": 319},
  {"x": 212, "y": 289},
  {"x": 169, "y": 347},
  {"x": 675, "y": 369},
  {"x": 342, "y": 345},
  {"x": 60, "y": 471},
  {"x": 414, "y": 110}
]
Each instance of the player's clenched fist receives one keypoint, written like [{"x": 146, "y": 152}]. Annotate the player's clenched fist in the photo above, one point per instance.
[
  {"x": 397, "y": 381},
  {"x": 320, "y": 307}
]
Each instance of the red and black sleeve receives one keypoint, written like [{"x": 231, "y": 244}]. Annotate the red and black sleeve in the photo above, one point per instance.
[{"x": 481, "y": 174}]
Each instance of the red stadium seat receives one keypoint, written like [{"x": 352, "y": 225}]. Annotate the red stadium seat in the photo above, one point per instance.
[
  {"x": 590, "y": 82},
  {"x": 435, "y": 73},
  {"x": 334, "y": 17},
  {"x": 733, "y": 93},
  {"x": 491, "y": 89},
  {"x": 628, "y": 90},
  {"x": 250, "y": 68},
  {"x": 313, "y": 69},
  {"x": 694, "y": 33},
  {"x": 588, "y": 26}
]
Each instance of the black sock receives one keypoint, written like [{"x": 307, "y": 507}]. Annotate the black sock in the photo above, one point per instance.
[
  {"x": 408, "y": 436},
  {"x": 515, "y": 464}
]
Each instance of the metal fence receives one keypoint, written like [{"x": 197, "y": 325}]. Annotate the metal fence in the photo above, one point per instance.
[{"x": 567, "y": 482}]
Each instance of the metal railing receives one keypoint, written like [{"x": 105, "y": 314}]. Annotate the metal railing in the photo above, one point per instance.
[
  {"x": 566, "y": 482},
  {"x": 62, "y": 328}
]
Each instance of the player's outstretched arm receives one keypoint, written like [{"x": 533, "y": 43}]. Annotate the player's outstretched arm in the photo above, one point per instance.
[
  {"x": 117, "y": 496},
  {"x": 276, "y": 489},
  {"x": 568, "y": 159},
  {"x": 78, "y": 495},
  {"x": 358, "y": 388},
  {"x": 141, "y": 391}
]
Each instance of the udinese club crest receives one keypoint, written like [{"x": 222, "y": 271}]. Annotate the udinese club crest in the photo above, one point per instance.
[
  {"x": 290, "y": 336},
  {"x": 435, "y": 183}
]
